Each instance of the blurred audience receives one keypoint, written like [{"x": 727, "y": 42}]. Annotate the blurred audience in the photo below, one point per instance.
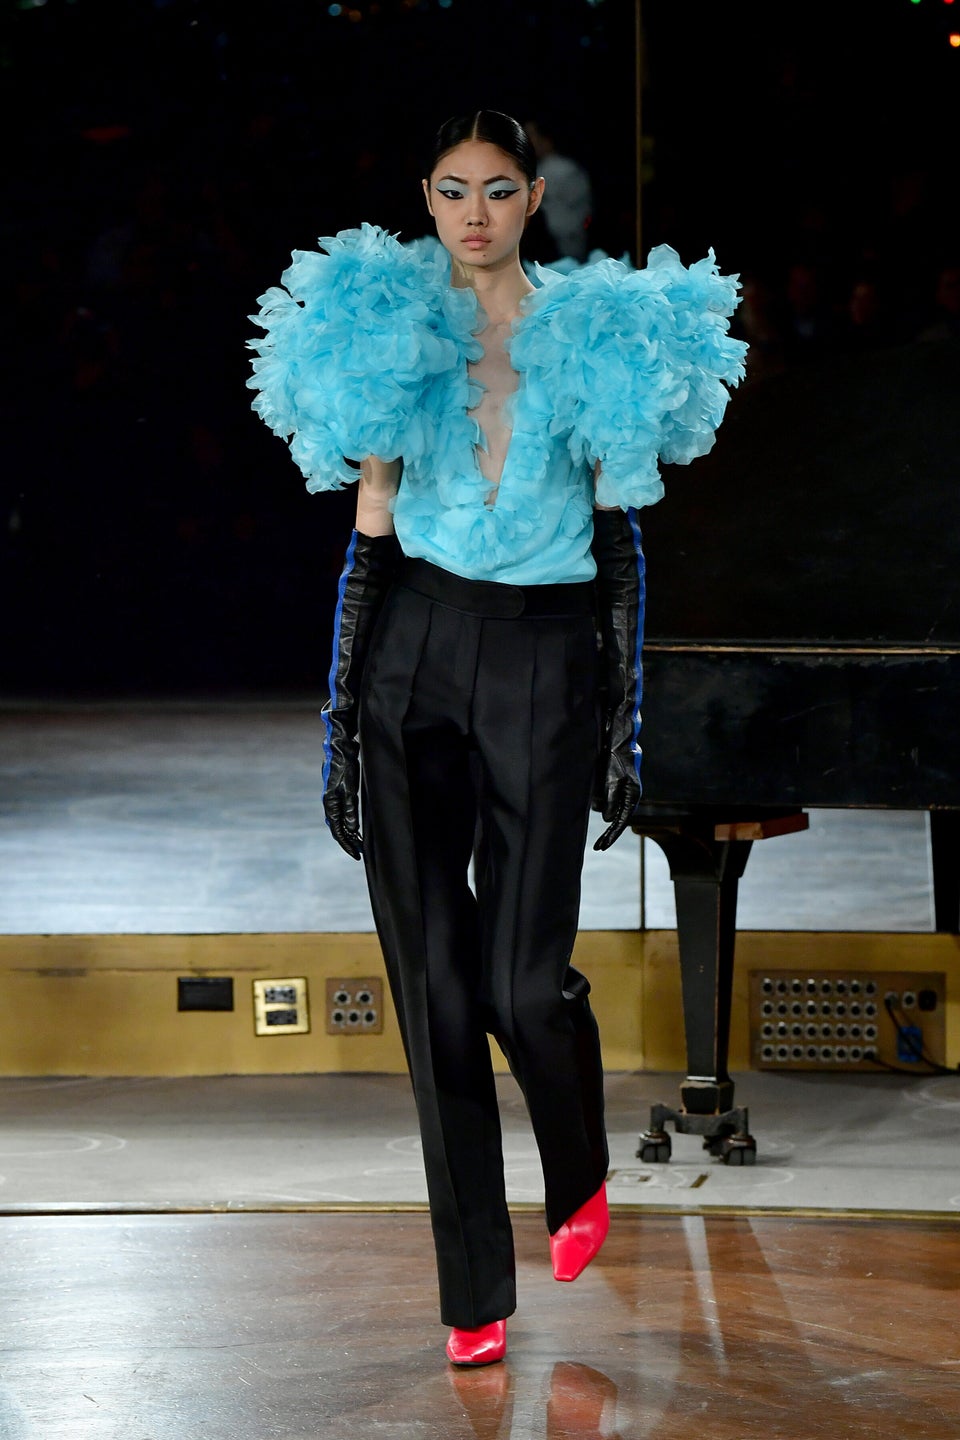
[
  {"x": 567, "y": 206},
  {"x": 145, "y": 507},
  {"x": 945, "y": 318}
]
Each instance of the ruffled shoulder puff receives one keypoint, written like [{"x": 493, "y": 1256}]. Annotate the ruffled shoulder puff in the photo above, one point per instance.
[
  {"x": 363, "y": 353},
  {"x": 634, "y": 364}
]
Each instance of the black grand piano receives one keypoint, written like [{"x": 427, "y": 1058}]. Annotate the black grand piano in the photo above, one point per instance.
[{"x": 803, "y": 650}]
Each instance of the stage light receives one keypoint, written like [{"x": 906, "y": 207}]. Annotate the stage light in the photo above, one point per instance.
[{"x": 955, "y": 41}]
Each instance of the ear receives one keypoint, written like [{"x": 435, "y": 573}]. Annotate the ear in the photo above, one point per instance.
[
  {"x": 426, "y": 194},
  {"x": 536, "y": 195}
]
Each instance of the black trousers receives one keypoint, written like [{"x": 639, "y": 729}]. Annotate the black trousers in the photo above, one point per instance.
[{"x": 478, "y": 739}]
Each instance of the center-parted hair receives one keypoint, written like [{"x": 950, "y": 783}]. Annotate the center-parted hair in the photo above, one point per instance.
[{"x": 491, "y": 126}]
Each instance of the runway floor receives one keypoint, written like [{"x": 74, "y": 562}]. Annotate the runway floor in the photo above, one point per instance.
[
  {"x": 324, "y": 1327},
  {"x": 192, "y": 818},
  {"x": 843, "y": 1142}
]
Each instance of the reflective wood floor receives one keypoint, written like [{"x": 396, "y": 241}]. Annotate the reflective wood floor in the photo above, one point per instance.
[{"x": 323, "y": 1327}]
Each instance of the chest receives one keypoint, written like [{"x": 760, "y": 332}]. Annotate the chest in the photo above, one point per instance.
[{"x": 498, "y": 382}]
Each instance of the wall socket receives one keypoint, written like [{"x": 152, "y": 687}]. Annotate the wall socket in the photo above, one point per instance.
[
  {"x": 355, "y": 1006},
  {"x": 838, "y": 1019},
  {"x": 280, "y": 1007}
]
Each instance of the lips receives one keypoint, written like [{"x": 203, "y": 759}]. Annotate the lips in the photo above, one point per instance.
[{"x": 476, "y": 242}]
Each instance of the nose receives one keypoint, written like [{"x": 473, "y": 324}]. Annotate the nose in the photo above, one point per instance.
[{"x": 478, "y": 213}]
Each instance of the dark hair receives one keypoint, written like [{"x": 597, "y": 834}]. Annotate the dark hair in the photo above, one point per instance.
[{"x": 492, "y": 126}]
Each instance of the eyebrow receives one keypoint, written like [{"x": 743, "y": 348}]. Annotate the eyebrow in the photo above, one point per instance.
[{"x": 461, "y": 181}]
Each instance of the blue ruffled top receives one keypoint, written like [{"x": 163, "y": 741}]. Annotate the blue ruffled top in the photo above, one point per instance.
[{"x": 367, "y": 352}]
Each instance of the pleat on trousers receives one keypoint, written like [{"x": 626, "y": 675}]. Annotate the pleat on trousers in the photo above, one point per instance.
[{"x": 479, "y": 739}]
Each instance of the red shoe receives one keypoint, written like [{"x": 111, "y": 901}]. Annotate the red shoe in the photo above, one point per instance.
[
  {"x": 483, "y": 1346},
  {"x": 576, "y": 1242}
]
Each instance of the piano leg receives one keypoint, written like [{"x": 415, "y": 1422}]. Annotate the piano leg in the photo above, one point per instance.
[
  {"x": 705, "y": 873},
  {"x": 945, "y": 860}
]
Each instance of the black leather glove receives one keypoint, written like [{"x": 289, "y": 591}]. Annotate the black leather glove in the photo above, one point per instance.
[
  {"x": 621, "y": 591},
  {"x": 370, "y": 566}
]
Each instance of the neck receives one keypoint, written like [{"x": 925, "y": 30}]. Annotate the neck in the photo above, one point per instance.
[{"x": 499, "y": 289}]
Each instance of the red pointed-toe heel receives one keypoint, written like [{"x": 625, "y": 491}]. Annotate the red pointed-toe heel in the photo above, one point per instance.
[
  {"x": 578, "y": 1240},
  {"x": 483, "y": 1346}
]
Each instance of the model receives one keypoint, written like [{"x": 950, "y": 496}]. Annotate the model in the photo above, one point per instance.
[{"x": 503, "y": 435}]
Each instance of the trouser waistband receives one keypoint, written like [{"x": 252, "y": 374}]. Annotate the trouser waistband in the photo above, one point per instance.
[{"x": 493, "y": 600}]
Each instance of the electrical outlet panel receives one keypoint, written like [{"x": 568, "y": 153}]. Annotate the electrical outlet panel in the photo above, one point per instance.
[
  {"x": 280, "y": 1007},
  {"x": 838, "y": 1019},
  {"x": 355, "y": 1006}
]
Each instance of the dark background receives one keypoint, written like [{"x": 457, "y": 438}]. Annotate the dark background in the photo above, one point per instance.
[{"x": 165, "y": 156}]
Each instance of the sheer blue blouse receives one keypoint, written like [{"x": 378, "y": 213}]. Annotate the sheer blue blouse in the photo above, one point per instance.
[{"x": 368, "y": 351}]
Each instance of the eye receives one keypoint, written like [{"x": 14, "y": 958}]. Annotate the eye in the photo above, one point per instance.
[
  {"x": 501, "y": 194},
  {"x": 451, "y": 194}
]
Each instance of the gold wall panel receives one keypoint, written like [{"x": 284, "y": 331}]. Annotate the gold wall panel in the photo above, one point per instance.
[{"x": 107, "y": 1004}]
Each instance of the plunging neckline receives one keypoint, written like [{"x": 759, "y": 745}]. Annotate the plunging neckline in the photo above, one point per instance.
[{"x": 509, "y": 402}]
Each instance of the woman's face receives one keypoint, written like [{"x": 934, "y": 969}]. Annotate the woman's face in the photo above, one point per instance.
[{"x": 481, "y": 202}]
